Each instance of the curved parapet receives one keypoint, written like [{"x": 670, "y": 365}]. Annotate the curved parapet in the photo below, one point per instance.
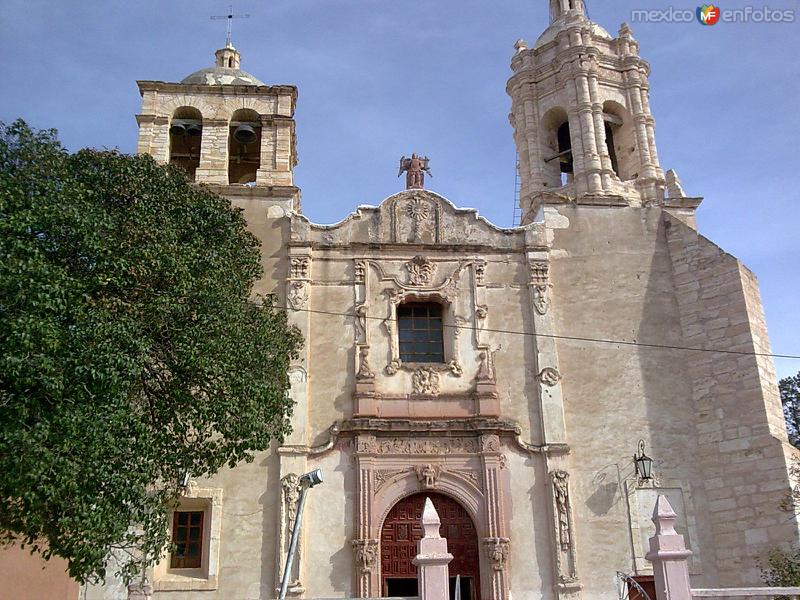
[{"x": 418, "y": 217}]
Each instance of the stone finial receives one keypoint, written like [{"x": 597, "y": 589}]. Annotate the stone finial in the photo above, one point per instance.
[
  {"x": 674, "y": 187},
  {"x": 664, "y": 517},
  {"x": 430, "y": 520},
  {"x": 625, "y": 31},
  {"x": 669, "y": 555},
  {"x": 432, "y": 557}
]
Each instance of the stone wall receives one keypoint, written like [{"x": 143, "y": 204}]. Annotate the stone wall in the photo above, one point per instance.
[{"x": 742, "y": 447}]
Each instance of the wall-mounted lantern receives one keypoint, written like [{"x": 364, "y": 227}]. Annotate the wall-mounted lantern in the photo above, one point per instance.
[{"x": 643, "y": 463}]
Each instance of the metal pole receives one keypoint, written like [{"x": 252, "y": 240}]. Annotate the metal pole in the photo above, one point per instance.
[{"x": 287, "y": 569}]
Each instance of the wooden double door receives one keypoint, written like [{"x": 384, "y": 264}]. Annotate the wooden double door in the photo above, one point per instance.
[{"x": 400, "y": 533}]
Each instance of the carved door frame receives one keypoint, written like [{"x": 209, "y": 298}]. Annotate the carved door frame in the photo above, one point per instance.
[
  {"x": 465, "y": 548},
  {"x": 469, "y": 469}
]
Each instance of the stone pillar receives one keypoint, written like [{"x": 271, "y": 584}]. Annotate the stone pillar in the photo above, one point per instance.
[
  {"x": 592, "y": 165},
  {"x": 293, "y": 452},
  {"x": 432, "y": 558},
  {"x": 213, "y": 152},
  {"x": 669, "y": 555}
]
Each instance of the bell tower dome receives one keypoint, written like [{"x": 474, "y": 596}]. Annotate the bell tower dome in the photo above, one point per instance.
[
  {"x": 225, "y": 128},
  {"x": 581, "y": 115}
]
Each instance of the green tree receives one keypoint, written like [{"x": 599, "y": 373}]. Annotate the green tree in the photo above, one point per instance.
[
  {"x": 790, "y": 399},
  {"x": 781, "y": 568},
  {"x": 131, "y": 349}
]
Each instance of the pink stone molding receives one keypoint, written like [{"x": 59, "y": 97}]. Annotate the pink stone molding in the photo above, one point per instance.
[{"x": 471, "y": 469}]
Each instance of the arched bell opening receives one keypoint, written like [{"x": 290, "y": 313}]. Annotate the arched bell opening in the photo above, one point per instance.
[
  {"x": 244, "y": 147},
  {"x": 620, "y": 140},
  {"x": 557, "y": 151},
  {"x": 185, "y": 137},
  {"x": 401, "y": 531}
]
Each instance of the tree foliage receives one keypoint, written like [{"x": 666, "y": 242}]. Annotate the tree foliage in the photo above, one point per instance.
[
  {"x": 131, "y": 351},
  {"x": 790, "y": 399},
  {"x": 781, "y": 568}
]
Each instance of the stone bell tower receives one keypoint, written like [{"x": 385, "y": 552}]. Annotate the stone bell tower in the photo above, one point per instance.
[
  {"x": 225, "y": 128},
  {"x": 581, "y": 115}
]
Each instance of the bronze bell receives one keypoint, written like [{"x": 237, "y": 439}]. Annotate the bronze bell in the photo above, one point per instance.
[
  {"x": 177, "y": 129},
  {"x": 244, "y": 134},
  {"x": 194, "y": 129}
]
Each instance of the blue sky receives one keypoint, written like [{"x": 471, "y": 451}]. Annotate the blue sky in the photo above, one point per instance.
[{"x": 378, "y": 79}]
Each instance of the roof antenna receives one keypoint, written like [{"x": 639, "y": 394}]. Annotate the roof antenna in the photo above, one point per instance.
[{"x": 230, "y": 16}]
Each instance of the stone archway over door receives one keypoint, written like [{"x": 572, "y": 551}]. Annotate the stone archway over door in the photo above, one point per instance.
[{"x": 402, "y": 530}]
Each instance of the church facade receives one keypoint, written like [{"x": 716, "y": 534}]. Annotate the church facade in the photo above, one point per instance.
[{"x": 509, "y": 374}]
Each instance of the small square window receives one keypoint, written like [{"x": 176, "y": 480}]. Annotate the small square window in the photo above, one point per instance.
[
  {"x": 419, "y": 326},
  {"x": 187, "y": 535}
]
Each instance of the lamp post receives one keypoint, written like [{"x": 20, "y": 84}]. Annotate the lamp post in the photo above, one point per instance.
[
  {"x": 643, "y": 463},
  {"x": 307, "y": 481}
]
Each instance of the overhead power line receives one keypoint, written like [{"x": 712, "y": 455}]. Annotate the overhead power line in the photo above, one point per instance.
[{"x": 557, "y": 337}]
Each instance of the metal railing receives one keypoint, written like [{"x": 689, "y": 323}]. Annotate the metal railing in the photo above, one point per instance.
[{"x": 629, "y": 588}]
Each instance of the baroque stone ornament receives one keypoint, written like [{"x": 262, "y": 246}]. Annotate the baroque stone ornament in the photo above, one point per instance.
[
  {"x": 290, "y": 488},
  {"x": 298, "y": 295},
  {"x": 361, "y": 322},
  {"x": 480, "y": 273},
  {"x": 541, "y": 298},
  {"x": 425, "y": 381},
  {"x": 561, "y": 493},
  {"x": 418, "y": 446},
  {"x": 364, "y": 372},
  {"x": 381, "y": 478},
  {"x": 549, "y": 376},
  {"x": 470, "y": 476},
  {"x": 298, "y": 268},
  {"x": 455, "y": 368},
  {"x": 393, "y": 366},
  {"x": 497, "y": 549},
  {"x": 486, "y": 367},
  {"x": 360, "y": 271},
  {"x": 366, "y": 555},
  {"x": 427, "y": 475},
  {"x": 490, "y": 443},
  {"x": 540, "y": 272},
  {"x": 420, "y": 271},
  {"x": 540, "y": 283}
]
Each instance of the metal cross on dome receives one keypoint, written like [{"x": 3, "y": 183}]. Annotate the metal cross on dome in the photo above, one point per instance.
[{"x": 230, "y": 17}]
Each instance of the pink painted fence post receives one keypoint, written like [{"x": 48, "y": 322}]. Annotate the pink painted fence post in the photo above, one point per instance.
[
  {"x": 669, "y": 555},
  {"x": 432, "y": 558}
]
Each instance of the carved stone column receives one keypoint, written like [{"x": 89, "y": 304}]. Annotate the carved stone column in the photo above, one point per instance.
[
  {"x": 214, "y": 152},
  {"x": 554, "y": 431},
  {"x": 567, "y": 583},
  {"x": 549, "y": 376},
  {"x": 366, "y": 559},
  {"x": 365, "y": 398},
  {"x": 497, "y": 543},
  {"x": 293, "y": 452},
  {"x": 368, "y": 578}
]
